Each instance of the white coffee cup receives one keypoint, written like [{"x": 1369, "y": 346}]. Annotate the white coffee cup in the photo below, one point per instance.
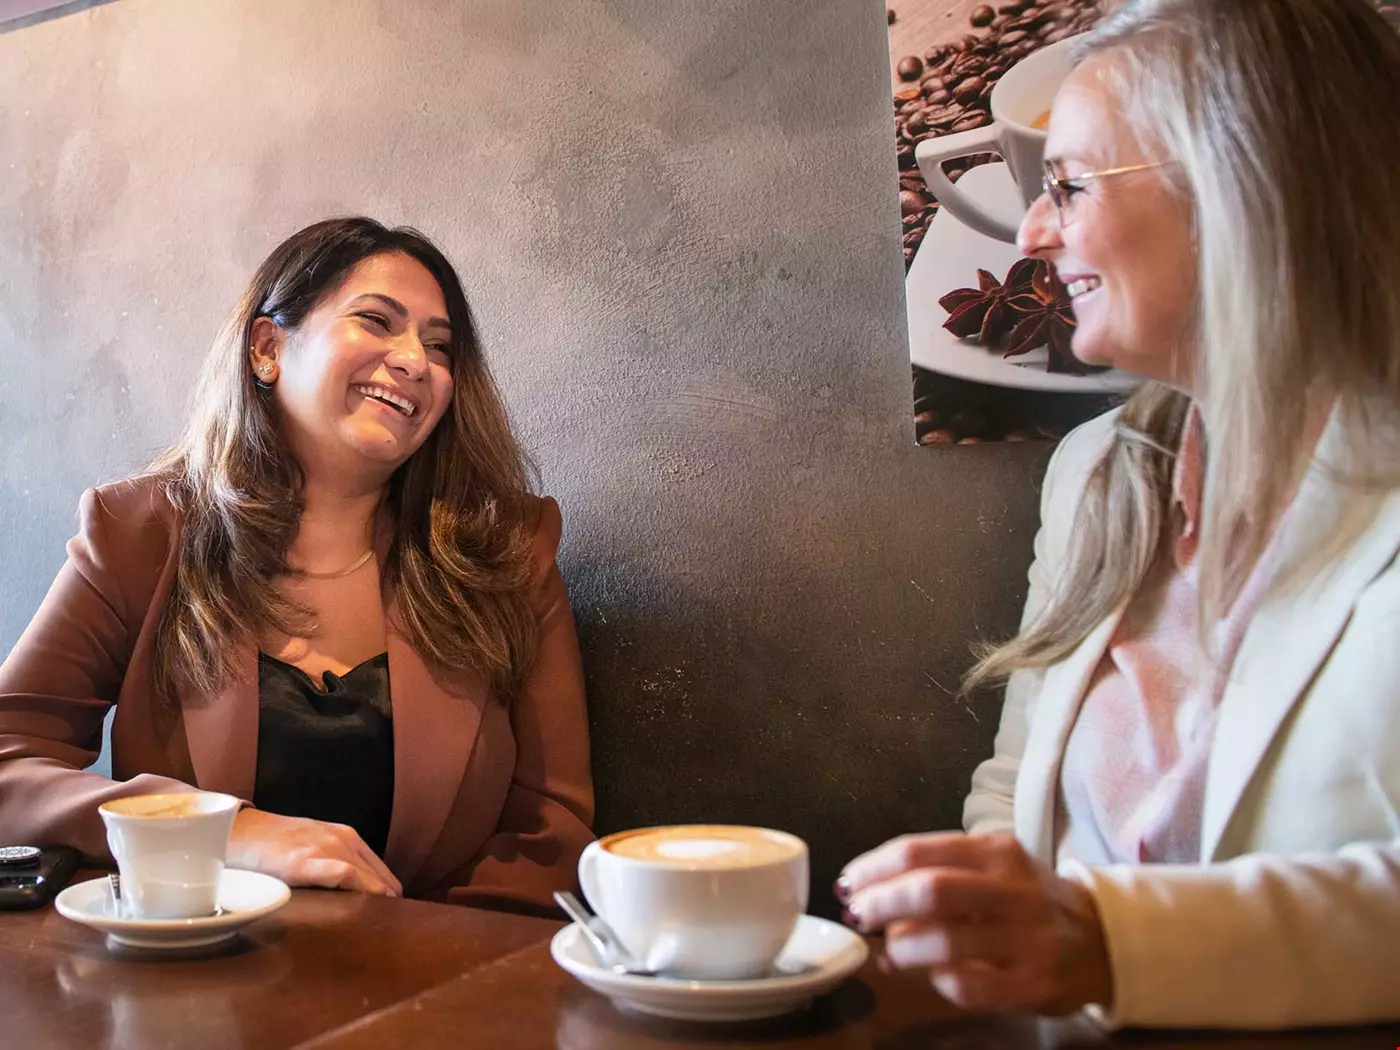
[
  {"x": 1023, "y": 94},
  {"x": 700, "y": 901},
  {"x": 170, "y": 851}
]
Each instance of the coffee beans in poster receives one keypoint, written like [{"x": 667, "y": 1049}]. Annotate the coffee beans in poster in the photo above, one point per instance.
[{"x": 955, "y": 82}]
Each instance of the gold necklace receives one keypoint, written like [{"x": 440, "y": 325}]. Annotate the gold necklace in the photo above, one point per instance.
[{"x": 360, "y": 561}]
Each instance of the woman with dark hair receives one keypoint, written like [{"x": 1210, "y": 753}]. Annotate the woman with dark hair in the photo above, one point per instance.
[{"x": 334, "y": 597}]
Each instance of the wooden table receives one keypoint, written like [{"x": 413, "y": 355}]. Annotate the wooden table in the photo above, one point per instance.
[
  {"x": 324, "y": 960},
  {"x": 343, "y": 971},
  {"x": 524, "y": 1000}
]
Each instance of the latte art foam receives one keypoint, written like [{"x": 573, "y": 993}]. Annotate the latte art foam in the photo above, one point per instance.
[{"x": 704, "y": 846}]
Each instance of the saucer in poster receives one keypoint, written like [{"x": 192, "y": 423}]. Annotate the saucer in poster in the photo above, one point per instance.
[
  {"x": 243, "y": 896},
  {"x": 820, "y": 955},
  {"x": 949, "y": 258}
]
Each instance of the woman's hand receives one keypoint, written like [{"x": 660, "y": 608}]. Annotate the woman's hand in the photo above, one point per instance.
[
  {"x": 995, "y": 929},
  {"x": 304, "y": 852}
]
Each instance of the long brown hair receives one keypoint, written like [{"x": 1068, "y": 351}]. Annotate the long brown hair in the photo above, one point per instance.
[
  {"x": 459, "y": 560},
  {"x": 1282, "y": 119}
]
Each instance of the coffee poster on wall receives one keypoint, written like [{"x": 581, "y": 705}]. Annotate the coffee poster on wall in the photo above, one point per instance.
[{"x": 989, "y": 331}]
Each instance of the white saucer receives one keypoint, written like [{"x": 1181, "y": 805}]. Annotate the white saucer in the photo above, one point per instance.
[
  {"x": 242, "y": 897},
  {"x": 949, "y": 258},
  {"x": 820, "y": 955}
]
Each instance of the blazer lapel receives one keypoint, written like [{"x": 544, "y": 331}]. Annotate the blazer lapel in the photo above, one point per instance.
[
  {"x": 221, "y": 730},
  {"x": 1061, "y": 693},
  {"x": 434, "y": 733},
  {"x": 1292, "y": 633}
]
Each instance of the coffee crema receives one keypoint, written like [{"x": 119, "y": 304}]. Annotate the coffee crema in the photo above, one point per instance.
[
  {"x": 167, "y": 807},
  {"x": 704, "y": 845}
]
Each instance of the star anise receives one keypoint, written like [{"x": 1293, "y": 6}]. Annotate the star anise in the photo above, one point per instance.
[
  {"x": 1044, "y": 317},
  {"x": 982, "y": 313}
]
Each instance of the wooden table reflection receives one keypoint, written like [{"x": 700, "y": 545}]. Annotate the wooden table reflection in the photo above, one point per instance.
[
  {"x": 338, "y": 970},
  {"x": 524, "y": 1000},
  {"x": 323, "y": 961}
]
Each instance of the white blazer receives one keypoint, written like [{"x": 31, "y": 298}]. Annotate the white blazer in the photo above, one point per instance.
[{"x": 1292, "y": 916}]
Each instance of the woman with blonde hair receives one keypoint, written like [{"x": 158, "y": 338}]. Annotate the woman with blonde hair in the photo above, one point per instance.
[
  {"x": 334, "y": 598},
  {"x": 1192, "y": 817}
]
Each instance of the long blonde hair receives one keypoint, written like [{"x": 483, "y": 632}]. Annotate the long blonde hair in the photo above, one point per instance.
[
  {"x": 459, "y": 560},
  {"x": 1283, "y": 120}
]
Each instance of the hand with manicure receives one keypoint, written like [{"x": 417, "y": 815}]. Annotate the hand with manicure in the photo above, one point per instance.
[{"x": 994, "y": 928}]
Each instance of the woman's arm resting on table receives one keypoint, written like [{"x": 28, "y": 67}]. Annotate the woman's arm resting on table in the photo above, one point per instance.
[
  {"x": 56, "y": 686},
  {"x": 544, "y": 825},
  {"x": 305, "y": 852},
  {"x": 1255, "y": 942},
  {"x": 66, "y": 672}
]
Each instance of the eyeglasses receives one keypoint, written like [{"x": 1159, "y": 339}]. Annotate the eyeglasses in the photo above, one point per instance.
[{"x": 1060, "y": 189}]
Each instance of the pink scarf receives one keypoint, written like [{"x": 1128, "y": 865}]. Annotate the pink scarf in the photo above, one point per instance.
[{"x": 1132, "y": 781}]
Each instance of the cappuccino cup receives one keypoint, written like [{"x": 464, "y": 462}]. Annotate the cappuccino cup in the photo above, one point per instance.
[
  {"x": 170, "y": 851},
  {"x": 699, "y": 901},
  {"x": 1020, "y": 102}
]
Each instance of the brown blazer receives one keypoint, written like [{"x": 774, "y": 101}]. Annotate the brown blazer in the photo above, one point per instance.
[{"x": 492, "y": 804}]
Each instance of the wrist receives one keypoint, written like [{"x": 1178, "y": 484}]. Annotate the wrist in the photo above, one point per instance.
[{"x": 1090, "y": 963}]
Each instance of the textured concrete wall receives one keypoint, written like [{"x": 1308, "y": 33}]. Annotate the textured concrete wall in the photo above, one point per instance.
[{"x": 678, "y": 223}]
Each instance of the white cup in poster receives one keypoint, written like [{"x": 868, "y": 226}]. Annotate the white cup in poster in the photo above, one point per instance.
[{"x": 1020, "y": 99}]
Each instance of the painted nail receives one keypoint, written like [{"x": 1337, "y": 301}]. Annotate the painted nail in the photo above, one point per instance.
[
  {"x": 842, "y": 889},
  {"x": 849, "y": 917}
]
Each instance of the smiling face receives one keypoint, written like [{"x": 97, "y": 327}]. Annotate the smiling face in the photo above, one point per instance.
[
  {"x": 363, "y": 381},
  {"x": 1124, "y": 249}
]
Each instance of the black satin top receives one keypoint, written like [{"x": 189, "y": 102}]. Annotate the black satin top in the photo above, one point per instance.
[{"x": 327, "y": 754}]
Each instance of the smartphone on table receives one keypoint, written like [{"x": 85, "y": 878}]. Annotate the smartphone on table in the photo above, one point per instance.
[{"x": 30, "y": 876}]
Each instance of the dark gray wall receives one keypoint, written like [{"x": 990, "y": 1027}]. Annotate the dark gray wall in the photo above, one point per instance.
[{"x": 679, "y": 225}]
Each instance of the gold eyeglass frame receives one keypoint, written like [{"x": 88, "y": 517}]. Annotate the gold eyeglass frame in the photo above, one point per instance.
[{"x": 1055, "y": 185}]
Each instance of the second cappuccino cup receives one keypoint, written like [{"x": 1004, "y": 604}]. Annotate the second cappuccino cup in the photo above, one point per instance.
[
  {"x": 170, "y": 851},
  {"x": 703, "y": 901}
]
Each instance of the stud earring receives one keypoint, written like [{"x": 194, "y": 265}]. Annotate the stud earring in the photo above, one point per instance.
[{"x": 264, "y": 369}]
